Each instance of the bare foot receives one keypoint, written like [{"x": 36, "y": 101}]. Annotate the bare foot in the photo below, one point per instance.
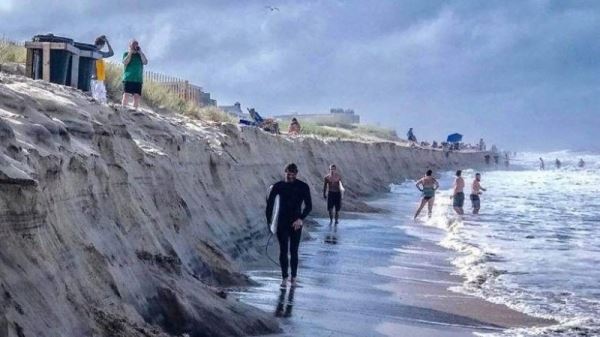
[
  {"x": 284, "y": 282},
  {"x": 294, "y": 281}
]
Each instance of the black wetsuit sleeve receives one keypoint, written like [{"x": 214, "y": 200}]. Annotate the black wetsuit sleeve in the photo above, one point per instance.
[
  {"x": 271, "y": 202},
  {"x": 307, "y": 203}
]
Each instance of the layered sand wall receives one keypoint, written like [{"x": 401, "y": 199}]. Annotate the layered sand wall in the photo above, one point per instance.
[{"x": 115, "y": 223}]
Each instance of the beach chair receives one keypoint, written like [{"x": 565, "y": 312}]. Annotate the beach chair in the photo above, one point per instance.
[
  {"x": 255, "y": 116},
  {"x": 267, "y": 124}
]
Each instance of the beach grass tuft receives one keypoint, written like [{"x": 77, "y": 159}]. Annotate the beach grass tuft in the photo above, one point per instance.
[
  {"x": 349, "y": 131},
  {"x": 377, "y": 132},
  {"x": 310, "y": 128},
  {"x": 11, "y": 52}
]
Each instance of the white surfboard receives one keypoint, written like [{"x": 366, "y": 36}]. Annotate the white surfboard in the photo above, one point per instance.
[
  {"x": 275, "y": 216},
  {"x": 342, "y": 189}
]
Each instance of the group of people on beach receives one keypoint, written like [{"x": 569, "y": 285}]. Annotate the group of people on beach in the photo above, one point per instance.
[
  {"x": 133, "y": 59},
  {"x": 428, "y": 185},
  {"x": 295, "y": 204}
]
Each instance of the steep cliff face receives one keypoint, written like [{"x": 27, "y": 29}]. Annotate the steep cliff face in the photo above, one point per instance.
[{"x": 116, "y": 223}]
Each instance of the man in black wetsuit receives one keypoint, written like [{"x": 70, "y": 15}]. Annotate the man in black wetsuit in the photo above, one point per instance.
[{"x": 292, "y": 193}]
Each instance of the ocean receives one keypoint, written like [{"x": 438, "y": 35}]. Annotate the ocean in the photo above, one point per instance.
[{"x": 535, "y": 247}]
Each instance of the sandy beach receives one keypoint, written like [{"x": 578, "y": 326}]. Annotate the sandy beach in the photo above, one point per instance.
[{"x": 369, "y": 277}]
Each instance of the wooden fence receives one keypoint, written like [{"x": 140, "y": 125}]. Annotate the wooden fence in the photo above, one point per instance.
[{"x": 183, "y": 88}]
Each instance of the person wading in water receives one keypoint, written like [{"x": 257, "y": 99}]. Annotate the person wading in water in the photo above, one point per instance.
[{"x": 427, "y": 185}]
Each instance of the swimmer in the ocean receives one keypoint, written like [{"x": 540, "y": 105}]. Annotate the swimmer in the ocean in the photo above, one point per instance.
[
  {"x": 457, "y": 194},
  {"x": 427, "y": 185},
  {"x": 476, "y": 189}
]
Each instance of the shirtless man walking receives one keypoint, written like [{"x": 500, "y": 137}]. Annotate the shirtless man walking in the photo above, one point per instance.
[
  {"x": 475, "y": 192},
  {"x": 333, "y": 193},
  {"x": 427, "y": 185},
  {"x": 457, "y": 194}
]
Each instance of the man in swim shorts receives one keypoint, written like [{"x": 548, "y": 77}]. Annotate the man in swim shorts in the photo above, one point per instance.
[
  {"x": 292, "y": 194},
  {"x": 333, "y": 193},
  {"x": 458, "y": 195},
  {"x": 427, "y": 185},
  {"x": 475, "y": 192}
]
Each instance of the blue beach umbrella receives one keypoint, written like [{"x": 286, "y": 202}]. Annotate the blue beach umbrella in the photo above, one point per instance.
[{"x": 454, "y": 138}]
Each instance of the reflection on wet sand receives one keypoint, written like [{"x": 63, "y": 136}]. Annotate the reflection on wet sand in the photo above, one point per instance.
[
  {"x": 364, "y": 284},
  {"x": 284, "y": 308},
  {"x": 331, "y": 237}
]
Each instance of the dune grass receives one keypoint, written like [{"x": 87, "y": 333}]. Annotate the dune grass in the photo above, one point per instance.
[
  {"x": 349, "y": 131},
  {"x": 310, "y": 128},
  {"x": 10, "y": 52},
  {"x": 378, "y": 132},
  {"x": 159, "y": 96}
]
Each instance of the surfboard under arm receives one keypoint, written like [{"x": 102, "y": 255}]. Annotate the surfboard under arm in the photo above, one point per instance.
[{"x": 275, "y": 216}]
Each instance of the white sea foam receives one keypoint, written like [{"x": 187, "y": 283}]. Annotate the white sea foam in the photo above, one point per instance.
[{"x": 536, "y": 245}]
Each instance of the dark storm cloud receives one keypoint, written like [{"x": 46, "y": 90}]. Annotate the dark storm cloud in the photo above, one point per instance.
[{"x": 514, "y": 72}]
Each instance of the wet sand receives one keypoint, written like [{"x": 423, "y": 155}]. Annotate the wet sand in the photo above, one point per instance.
[{"x": 367, "y": 277}]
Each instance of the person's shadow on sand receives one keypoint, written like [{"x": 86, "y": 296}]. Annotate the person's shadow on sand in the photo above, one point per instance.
[{"x": 284, "y": 309}]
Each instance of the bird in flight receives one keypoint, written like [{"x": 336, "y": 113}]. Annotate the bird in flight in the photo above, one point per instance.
[{"x": 272, "y": 9}]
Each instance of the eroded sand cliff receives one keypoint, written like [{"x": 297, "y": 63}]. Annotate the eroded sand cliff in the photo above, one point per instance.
[{"x": 116, "y": 223}]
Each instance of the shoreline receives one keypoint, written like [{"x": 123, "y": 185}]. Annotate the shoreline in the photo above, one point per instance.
[{"x": 407, "y": 289}]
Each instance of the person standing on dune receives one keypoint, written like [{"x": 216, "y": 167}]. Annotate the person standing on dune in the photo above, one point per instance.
[
  {"x": 98, "y": 87},
  {"x": 133, "y": 74},
  {"x": 411, "y": 136}
]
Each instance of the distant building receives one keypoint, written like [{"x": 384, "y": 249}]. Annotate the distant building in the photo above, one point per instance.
[
  {"x": 234, "y": 110},
  {"x": 205, "y": 100},
  {"x": 335, "y": 116}
]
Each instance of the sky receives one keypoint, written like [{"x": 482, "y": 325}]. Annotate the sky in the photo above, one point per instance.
[{"x": 522, "y": 74}]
